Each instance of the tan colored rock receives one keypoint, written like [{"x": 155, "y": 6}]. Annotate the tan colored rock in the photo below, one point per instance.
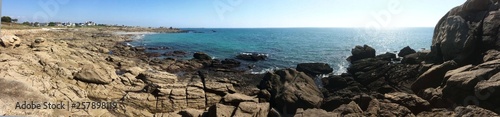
[
  {"x": 191, "y": 113},
  {"x": 96, "y": 74},
  {"x": 314, "y": 113},
  {"x": 221, "y": 110},
  {"x": 10, "y": 41},
  {"x": 236, "y": 98},
  {"x": 252, "y": 109},
  {"x": 158, "y": 77}
]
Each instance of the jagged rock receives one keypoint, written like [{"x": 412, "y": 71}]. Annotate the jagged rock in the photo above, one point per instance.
[
  {"x": 10, "y": 41},
  {"x": 410, "y": 101},
  {"x": 153, "y": 54},
  {"x": 315, "y": 113},
  {"x": 314, "y": 68},
  {"x": 291, "y": 89},
  {"x": 461, "y": 85},
  {"x": 406, "y": 51},
  {"x": 201, "y": 56},
  {"x": 361, "y": 52},
  {"x": 221, "y": 110},
  {"x": 134, "y": 70},
  {"x": 225, "y": 64},
  {"x": 474, "y": 111},
  {"x": 176, "y": 53},
  {"x": 414, "y": 58},
  {"x": 152, "y": 77},
  {"x": 102, "y": 74},
  {"x": 191, "y": 113},
  {"x": 377, "y": 108},
  {"x": 252, "y": 109},
  {"x": 435, "y": 97},
  {"x": 387, "y": 56},
  {"x": 237, "y": 98},
  {"x": 433, "y": 77},
  {"x": 437, "y": 113},
  {"x": 491, "y": 89},
  {"x": 351, "y": 109},
  {"x": 491, "y": 55}
]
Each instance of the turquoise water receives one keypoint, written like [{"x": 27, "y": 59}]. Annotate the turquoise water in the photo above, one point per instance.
[{"x": 289, "y": 46}]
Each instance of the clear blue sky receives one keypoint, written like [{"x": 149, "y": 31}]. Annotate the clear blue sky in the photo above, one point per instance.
[{"x": 236, "y": 13}]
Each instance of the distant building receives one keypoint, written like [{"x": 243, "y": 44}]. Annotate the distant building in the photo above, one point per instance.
[{"x": 90, "y": 23}]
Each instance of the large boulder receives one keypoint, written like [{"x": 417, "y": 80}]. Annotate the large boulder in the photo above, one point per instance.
[
  {"x": 201, "y": 56},
  {"x": 433, "y": 77},
  {"x": 97, "y": 74},
  {"x": 406, "y": 51},
  {"x": 411, "y": 101},
  {"x": 314, "y": 68},
  {"x": 466, "y": 31},
  {"x": 291, "y": 89},
  {"x": 10, "y": 41},
  {"x": 361, "y": 52},
  {"x": 252, "y": 109}
]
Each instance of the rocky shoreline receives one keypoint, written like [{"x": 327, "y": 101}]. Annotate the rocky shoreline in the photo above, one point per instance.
[{"x": 457, "y": 77}]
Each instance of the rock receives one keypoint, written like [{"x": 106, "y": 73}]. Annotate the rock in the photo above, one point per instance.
[
  {"x": 334, "y": 82},
  {"x": 410, "y": 101},
  {"x": 191, "y": 113},
  {"x": 458, "y": 34},
  {"x": 157, "y": 77},
  {"x": 415, "y": 58},
  {"x": 291, "y": 89},
  {"x": 406, "y": 51},
  {"x": 314, "y": 68},
  {"x": 433, "y": 77},
  {"x": 387, "y": 56},
  {"x": 201, "y": 56},
  {"x": 158, "y": 48},
  {"x": 103, "y": 74},
  {"x": 139, "y": 48},
  {"x": 252, "y": 109},
  {"x": 437, "y": 113},
  {"x": 225, "y": 64},
  {"x": 252, "y": 56},
  {"x": 474, "y": 111},
  {"x": 134, "y": 70},
  {"x": 153, "y": 54},
  {"x": 491, "y": 89},
  {"x": 377, "y": 108},
  {"x": 351, "y": 109},
  {"x": 362, "y": 52},
  {"x": 10, "y": 41},
  {"x": 221, "y": 110},
  {"x": 491, "y": 55},
  {"x": 435, "y": 98},
  {"x": 237, "y": 98},
  {"x": 461, "y": 85},
  {"x": 176, "y": 53},
  {"x": 315, "y": 113}
]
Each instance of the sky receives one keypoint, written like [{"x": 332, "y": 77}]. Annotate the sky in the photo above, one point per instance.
[{"x": 235, "y": 13}]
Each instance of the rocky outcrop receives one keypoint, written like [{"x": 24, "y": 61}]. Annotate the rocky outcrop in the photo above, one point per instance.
[
  {"x": 361, "y": 52},
  {"x": 201, "y": 56},
  {"x": 290, "y": 90},
  {"x": 406, "y": 51},
  {"x": 10, "y": 41},
  {"x": 102, "y": 74},
  {"x": 314, "y": 69}
]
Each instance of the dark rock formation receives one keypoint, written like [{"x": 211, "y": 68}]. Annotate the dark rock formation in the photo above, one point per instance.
[
  {"x": 406, "y": 51},
  {"x": 314, "y": 69},
  {"x": 291, "y": 90},
  {"x": 361, "y": 52},
  {"x": 201, "y": 56}
]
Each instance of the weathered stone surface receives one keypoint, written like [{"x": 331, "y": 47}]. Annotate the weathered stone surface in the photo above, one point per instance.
[
  {"x": 406, "y": 51},
  {"x": 237, "y": 98},
  {"x": 291, "y": 89},
  {"x": 98, "y": 74},
  {"x": 201, "y": 56},
  {"x": 351, "y": 109},
  {"x": 252, "y": 109},
  {"x": 362, "y": 52},
  {"x": 410, "y": 101},
  {"x": 377, "y": 108},
  {"x": 10, "y": 41},
  {"x": 315, "y": 113},
  {"x": 433, "y": 77},
  {"x": 221, "y": 110}
]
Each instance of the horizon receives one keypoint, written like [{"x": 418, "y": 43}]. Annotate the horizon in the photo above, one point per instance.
[{"x": 386, "y": 14}]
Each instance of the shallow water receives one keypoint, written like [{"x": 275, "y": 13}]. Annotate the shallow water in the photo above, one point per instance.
[{"x": 289, "y": 46}]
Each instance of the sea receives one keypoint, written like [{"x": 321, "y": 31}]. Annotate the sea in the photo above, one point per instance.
[{"x": 287, "y": 47}]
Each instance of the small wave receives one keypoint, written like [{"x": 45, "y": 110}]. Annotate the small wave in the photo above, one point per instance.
[{"x": 263, "y": 71}]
